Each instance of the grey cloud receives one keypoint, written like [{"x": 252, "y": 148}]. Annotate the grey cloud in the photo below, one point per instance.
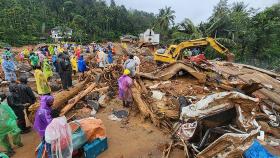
[{"x": 196, "y": 10}]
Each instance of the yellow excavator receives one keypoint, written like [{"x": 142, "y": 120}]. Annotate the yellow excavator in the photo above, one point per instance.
[{"x": 174, "y": 52}]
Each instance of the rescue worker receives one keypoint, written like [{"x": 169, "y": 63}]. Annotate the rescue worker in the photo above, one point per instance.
[
  {"x": 8, "y": 126},
  {"x": 125, "y": 84},
  {"x": 65, "y": 70},
  {"x": 110, "y": 56},
  {"x": 26, "y": 94},
  {"x": 47, "y": 69},
  {"x": 74, "y": 64},
  {"x": 42, "y": 119},
  {"x": 100, "y": 58},
  {"x": 14, "y": 101},
  {"x": 9, "y": 68},
  {"x": 82, "y": 66},
  {"x": 51, "y": 49},
  {"x": 54, "y": 62},
  {"x": 130, "y": 64},
  {"x": 34, "y": 60},
  {"x": 138, "y": 62},
  {"x": 41, "y": 82}
]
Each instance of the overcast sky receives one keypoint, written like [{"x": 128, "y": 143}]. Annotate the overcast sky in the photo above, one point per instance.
[{"x": 196, "y": 10}]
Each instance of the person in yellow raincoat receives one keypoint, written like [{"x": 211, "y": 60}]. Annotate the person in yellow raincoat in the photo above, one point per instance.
[
  {"x": 47, "y": 69},
  {"x": 60, "y": 49},
  {"x": 41, "y": 82},
  {"x": 26, "y": 52},
  {"x": 51, "y": 49},
  {"x": 74, "y": 64}
]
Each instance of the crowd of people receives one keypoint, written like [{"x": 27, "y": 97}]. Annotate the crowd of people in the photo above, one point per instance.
[{"x": 65, "y": 60}]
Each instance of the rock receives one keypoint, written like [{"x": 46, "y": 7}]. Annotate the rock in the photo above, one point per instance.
[
  {"x": 24, "y": 67},
  {"x": 92, "y": 96},
  {"x": 93, "y": 104},
  {"x": 114, "y": 118},
  {"x": 101, "y": 100},
  {"x": 111, "y": 93},
  {"x": 93, "y": 112},
  {"x": 120, "y": 113},
  {"x": 54, "y": 86},
  {"x": 158, "y": 95}
]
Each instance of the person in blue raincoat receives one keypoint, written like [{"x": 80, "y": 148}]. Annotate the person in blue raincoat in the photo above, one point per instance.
[
  {"x": 82, "y": 67},
  {"x": 54, "y": 62},
  {"x": 82, "y": 64},
  {"x": 110, "y": 56},
  {"x": 9, "y": 68}
]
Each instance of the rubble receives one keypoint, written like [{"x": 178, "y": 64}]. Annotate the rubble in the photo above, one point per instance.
[
  {"x": 216, "y": 109},
  {"x": 169, "y": 71}
]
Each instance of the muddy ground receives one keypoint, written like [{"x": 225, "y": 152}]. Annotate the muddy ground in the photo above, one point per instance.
[{"x": 127, "y": 139}]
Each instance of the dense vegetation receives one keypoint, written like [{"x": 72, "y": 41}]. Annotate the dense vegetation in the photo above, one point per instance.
[
  {"x": 28, "y": 21},
  {"x": 252, "y": 35}
]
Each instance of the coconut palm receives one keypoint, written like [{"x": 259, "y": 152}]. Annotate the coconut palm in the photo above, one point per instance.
[{"x": 165, "y": 18}]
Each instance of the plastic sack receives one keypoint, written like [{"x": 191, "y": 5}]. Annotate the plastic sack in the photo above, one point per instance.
[
  {"x": 78, "y": 135},
  {"x": 256, "y": 150},
  {"x": 58, "y": 134}
]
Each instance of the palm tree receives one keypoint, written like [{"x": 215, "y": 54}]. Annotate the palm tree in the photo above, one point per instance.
[
  {"x": 165, "y": 18},
  {"x": 188, "y": 31}
]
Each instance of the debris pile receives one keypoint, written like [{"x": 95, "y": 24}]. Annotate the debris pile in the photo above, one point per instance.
[
  {"x": 225, "y": 106},
  {"x": 213, "y": 109}
]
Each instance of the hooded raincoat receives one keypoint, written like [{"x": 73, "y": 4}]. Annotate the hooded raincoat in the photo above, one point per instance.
[
  {"x": 47, "y": 69},
  {"x": 58, "y": 134},
  {"x": 8, "y": 125},
  {"x": 41, "y": 82},
  {"x": 9, "y": 69},
  {"x": 74, "y": 63},
  {"x": 125, "y": 83},
  {"x": 131, "y": 64},
  {"x": 82, "y": 64},
  {"x": 34, "y": 59},
  {"x": 43, "y": 115},
  {"x": 8, "y": 120},
  {"x": 51, "y": 49},
  {"x": 110, "y": 57}
]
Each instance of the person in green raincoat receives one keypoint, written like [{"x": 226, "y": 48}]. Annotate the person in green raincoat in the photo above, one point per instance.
[
  {"x": 47, "y": 69},
  {"x": 8, "y": 126},
  {"x": 2, "y": 155},
  {"x": 7, "y": 52},
  {"x": 34, "y": 59}
]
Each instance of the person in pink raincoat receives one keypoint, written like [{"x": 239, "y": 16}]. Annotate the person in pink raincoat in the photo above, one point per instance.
[{"x": 125, "y": 84}]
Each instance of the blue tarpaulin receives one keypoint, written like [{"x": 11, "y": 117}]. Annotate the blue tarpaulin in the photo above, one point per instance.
[{"x": 256, "y": 150}]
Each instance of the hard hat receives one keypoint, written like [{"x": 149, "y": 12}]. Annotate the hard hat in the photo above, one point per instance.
[{"x": 126, "y": 72}]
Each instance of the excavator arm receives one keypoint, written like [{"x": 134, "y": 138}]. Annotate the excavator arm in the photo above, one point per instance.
[
  {"x": 173, "y": 53},
  {"x": 204, "y": 42}
]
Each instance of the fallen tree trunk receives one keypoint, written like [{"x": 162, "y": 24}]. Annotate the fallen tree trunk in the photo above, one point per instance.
[
  {"x": 142, "y": 105},
  {"x": 59, "y": 98},
  {"x": 80, "y": 96},
  {"x": 76, "y": 99}
]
